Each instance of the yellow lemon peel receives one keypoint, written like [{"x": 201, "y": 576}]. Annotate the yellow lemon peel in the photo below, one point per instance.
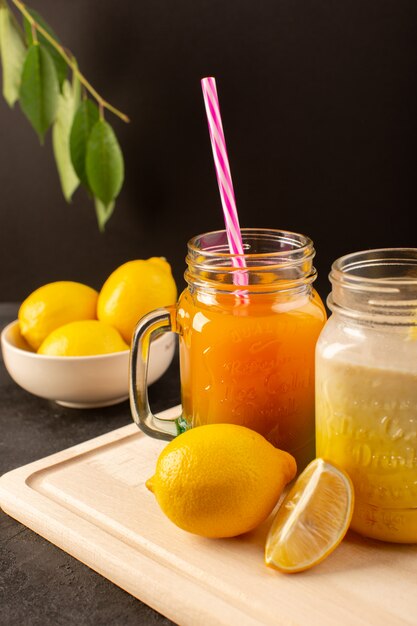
[
  {"x": 220, "y": 480},
  {"x": 54, "y": 305},
  {"x": 83, "y": 338},
  {"x": 134, "y": 289}
]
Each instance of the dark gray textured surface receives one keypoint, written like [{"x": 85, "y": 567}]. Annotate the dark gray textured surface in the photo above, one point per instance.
[{"x": 39, "y": 583}]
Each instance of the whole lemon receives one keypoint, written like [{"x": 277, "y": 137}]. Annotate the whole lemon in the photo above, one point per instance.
[
  {"x": 134, "y": 289},
  {"x": 52, "y": 306},
  {"x": 83, "y": 338},
  {"x": 220, "y": 480}
]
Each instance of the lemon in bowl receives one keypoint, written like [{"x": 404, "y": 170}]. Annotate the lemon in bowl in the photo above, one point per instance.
[
  {"x": 134, "y": 289},
  {"x": 58, "y": 349},
  {"x": 83, "y": 338},
  {"x": 53, "y": 305}
]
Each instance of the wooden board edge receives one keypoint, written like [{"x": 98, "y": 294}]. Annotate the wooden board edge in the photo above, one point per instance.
[
  {"x": 25, "y": 471},
  {"x": 70, "y": 533},
  {"x": 178, "y": 602}
]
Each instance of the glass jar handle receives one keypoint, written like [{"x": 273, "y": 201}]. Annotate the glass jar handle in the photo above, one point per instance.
[{"x": 148, "y": 328}]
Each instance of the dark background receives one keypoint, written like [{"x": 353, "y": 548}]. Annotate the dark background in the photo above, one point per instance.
[{"x": 319, "y": 107}]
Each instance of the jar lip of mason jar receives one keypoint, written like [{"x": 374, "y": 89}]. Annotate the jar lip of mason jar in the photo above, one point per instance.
[
  {"x": 300, "y": 244},
  {"x": 343, "y": 269}
]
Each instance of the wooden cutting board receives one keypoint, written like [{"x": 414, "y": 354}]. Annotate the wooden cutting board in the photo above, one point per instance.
[{"x": 91, "y": 501}]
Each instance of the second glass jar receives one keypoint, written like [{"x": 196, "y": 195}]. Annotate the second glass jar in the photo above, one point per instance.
[{"x": 366, "y": 397}]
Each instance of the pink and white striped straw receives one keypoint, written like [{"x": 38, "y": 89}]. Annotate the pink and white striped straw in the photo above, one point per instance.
[{"x": 224, "y": 177}]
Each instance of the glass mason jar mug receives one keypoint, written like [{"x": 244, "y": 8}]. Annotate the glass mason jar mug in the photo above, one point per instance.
[
  {"x": 246, "y": 346},
  {"x": 366, "y": 388}
]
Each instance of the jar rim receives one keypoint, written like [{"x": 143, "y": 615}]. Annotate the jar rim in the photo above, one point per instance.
[
  {"x": 344, "y": 269},
  {"x": 273, "y": 260},
  {"x": 301, "y": 246}
]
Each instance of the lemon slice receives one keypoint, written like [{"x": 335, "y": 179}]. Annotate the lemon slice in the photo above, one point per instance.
[{"x": 312, "y": 519}]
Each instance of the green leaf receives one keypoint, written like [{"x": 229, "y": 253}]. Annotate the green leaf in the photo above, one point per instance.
[
  {"x": 68, "y": 103},
  {"x": 13, "y": 51},
  {"x": 103, "y": 212},
  {"x": 84, "y": 120},
  {"x": 104, "y": 162},
  {"x": 59, "y": 62},
  {"x": 39, "y": 89}
]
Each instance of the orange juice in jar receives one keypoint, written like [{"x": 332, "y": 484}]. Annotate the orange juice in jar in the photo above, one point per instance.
[{"x": 247, "y": 350}]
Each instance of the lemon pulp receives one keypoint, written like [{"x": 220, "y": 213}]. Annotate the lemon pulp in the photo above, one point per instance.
[{"x": 312, "y": 519}]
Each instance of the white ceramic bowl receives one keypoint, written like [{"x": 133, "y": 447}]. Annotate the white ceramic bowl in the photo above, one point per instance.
[{"x": 78, "y": 381}]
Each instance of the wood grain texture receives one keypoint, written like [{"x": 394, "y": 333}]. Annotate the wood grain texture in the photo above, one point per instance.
[{"x": 91, "y": 501}]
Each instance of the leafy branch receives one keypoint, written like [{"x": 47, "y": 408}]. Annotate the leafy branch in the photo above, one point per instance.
[{"x": 35, "y": 69}]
